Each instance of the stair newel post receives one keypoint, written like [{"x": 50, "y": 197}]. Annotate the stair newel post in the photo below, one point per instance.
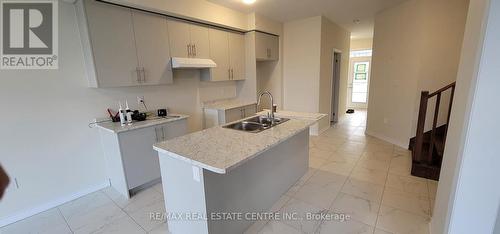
[
  {"x": 419, "y": 140},
  {"x": 434, "y": 125}
]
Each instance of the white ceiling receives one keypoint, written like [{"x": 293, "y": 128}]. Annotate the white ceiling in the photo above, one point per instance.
[{"x": 342, "y": 12}]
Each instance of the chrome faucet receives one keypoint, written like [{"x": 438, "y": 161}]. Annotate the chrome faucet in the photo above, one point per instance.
[{"x": 270, "y": 114}]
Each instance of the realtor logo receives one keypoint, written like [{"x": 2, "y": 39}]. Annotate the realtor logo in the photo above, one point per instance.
[{"x": 29, "y": 34}]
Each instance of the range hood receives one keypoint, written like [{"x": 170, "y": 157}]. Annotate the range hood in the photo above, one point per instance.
[{"x": 192, "y": 63}]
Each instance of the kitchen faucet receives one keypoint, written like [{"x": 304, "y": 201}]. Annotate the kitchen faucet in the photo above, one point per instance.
[{"x": 271, "y": 114}]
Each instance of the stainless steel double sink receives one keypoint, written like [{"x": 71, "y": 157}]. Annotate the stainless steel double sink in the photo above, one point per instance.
[{"x": 256, "y": 124}]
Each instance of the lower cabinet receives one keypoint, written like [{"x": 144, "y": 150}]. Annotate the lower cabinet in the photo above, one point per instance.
[
  {"x": 132, "y": 163},
  {"x": 215, "y": 117}
]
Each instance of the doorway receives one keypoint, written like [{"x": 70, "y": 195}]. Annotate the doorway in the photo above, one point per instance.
[
  {"x": 337, "y": 59},
  {"x": 359, "y": 80}
]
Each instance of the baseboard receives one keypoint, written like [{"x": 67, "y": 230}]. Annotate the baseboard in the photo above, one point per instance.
[
  {"x": 388, "y": 139},
  {"x": 51, "y": 204}
]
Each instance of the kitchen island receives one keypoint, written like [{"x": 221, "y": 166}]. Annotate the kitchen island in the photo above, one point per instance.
[{"x": 215, "y": 179}]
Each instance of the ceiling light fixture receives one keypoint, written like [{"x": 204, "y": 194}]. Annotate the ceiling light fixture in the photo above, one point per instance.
[
  {"x": 356, "y": 21},
  {"x": 248, "y": 2}
]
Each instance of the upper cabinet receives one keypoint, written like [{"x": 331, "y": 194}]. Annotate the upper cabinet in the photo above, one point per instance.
[
  {"x": 153, "y": 51},
  {"x": 266, "y": 47},
  {"x": 123, "y": 47},
  {"x": 128, "y": 47},
  {"x": 188, "y": 40},
  {"x": 227, "y": 49},
  {"x": 219, "y": 52},
  {"x": 237, "y": 55}
]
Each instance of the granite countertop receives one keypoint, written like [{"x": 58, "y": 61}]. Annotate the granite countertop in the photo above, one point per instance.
[
  {"x": 117, "y": 128},
  {"x": 220, "y": 149},
  {"x": 227, "y": 104}
]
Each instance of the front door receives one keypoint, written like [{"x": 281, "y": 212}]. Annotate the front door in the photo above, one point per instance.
[{"x": 359, "y": 78}]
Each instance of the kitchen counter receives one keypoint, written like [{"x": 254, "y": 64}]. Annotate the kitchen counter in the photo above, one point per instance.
[
  {"x": 221, "y": 149},
  {"x": 227, "y": 104},
  {"x": 221, "y": 170},
  {"x": 115, "y": 127}
]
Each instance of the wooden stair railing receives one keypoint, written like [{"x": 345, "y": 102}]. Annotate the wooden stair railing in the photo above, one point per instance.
[{"x": 419, "y": 154}]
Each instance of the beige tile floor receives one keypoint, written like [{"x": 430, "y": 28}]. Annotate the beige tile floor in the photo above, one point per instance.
[{"x": 350, "y": 173}]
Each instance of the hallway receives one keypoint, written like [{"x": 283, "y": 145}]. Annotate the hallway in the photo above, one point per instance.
[{"x": 360, "y": 176}]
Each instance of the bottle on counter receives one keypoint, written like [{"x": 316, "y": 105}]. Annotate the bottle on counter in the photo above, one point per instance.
[
  {"x": 128, "y": 113},
  {"x": 121, "y": 112}
]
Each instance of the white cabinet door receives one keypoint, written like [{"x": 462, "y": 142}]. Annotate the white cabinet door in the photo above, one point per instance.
[
  {"x": 261, "y": 50},
  {"x": 273, "y": 45},
  {"x": 113, "y": 46},
  {"x": 219, "y": 52},
  {"x": 140, "y": 160},
  {"x": 237, "y": 55},
  {"x": 174, "y": 129},
  {"x": 199, "y": 39},
  {"x": 153, "y": 52},
  {"x": 266, "y": 47},
  {"x": 179, "y": 38}
]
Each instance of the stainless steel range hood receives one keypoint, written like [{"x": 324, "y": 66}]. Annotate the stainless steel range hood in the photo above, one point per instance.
[{"x": 194, "y": 63}]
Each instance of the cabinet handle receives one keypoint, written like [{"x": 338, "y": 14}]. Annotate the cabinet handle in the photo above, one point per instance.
[
  {"x": 162, "y": 134},
  {"x": 242, "y": 115},
  {"x": 232, "y": 74},
  {"x": 229, "y": 73},
  {"x": 189, "y": 50},
  {"x": 194, "y": 46}
]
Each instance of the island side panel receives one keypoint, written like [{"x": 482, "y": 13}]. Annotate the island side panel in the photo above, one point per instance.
[
  {"x": 183, "y": 194},
  {"x": 257, "y": 184}
]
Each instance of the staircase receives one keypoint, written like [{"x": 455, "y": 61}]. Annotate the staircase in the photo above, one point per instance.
[{"x": 428, "y": 147}]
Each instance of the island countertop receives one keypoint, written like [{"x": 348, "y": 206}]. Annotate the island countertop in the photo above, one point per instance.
[{"x": 221, "y": 149}]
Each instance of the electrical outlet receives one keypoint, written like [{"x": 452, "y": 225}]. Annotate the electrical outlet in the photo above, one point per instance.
[{"x": 140, "y": 99}]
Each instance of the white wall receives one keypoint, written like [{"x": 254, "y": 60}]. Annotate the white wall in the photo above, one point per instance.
[
  {"x": 46, "y": 143},
  {"x": 333, "y": 38},
  {"x": 362, "y": 44},
  {"x": 301, "y": 65},
  {"x": 468, "y": 196},
  {"x": 440, "y": 43},
  {"x": 497, "y": 225},
  {"x": 309, "y": 45},
  {"x": 394, "y": 73},
  {"x": 416, "y": 47}
]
